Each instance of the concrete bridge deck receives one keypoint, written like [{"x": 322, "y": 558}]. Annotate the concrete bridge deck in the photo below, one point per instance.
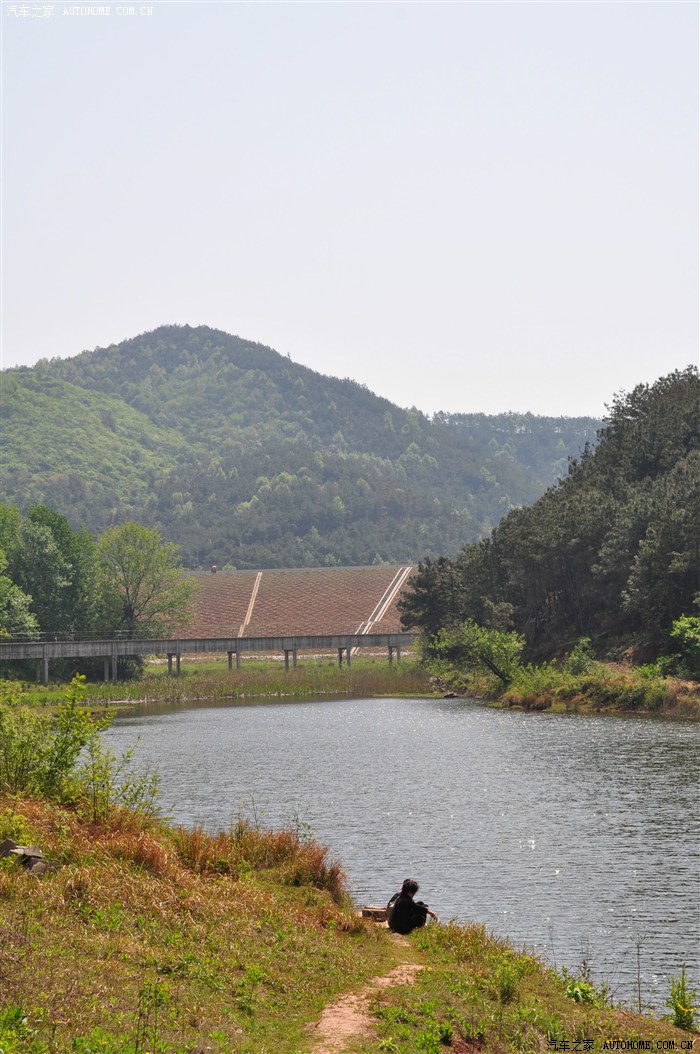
[{"x": 111, "y": 650}]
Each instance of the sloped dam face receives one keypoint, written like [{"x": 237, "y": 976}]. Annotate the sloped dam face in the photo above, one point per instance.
[{"x": 575, "y": 835}]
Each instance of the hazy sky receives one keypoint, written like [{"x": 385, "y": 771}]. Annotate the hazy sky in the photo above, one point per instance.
[{"x": 465, "y": 206}]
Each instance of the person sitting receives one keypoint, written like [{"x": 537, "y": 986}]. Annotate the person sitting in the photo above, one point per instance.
[{"x": 404, "y": 913}]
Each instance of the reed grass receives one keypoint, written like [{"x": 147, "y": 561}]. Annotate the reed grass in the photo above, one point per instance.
[
  {"x": 602, "y": 687},
  {"x": 365, "y": 677}
]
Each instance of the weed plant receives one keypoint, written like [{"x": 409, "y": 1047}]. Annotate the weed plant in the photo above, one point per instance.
[{"x": 682, "y": 1001}]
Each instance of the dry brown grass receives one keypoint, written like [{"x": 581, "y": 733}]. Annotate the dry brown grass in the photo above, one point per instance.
[{"x": 297, "y": 862}]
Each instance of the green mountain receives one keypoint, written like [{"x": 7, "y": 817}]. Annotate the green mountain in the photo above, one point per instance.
[{"x": 245, "y": 458}]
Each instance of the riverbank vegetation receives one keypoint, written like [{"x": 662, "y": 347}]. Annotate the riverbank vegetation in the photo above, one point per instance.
[
  {"x": 142, "y": 936},
  {"x": 257, "y": 678},
  {"x": 478, "y": 993},
  {"x": 472, "y": 661},
  {"x": 610, "y": 554}
]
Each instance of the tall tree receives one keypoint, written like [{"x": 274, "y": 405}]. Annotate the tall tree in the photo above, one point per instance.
[
  {"x": 145, "y": 592},
  {"x": 55, "y": 565},
  {"x": 16, "y": 617}
]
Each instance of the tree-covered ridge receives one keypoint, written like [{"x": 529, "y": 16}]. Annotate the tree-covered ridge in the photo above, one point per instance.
[
  {"x": 88, "y": 455},
  {"x": 611, "y": 549},
  {"x": 245, "y": 458}
]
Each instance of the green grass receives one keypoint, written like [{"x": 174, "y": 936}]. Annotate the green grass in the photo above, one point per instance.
[
  {"x": 601, "y": 687},
  {"x": 149, "y": 938},
  {"x": 477, "y": 993},
  {"x": 155, "y": 939},
  {"x": 264, "y": 678}
]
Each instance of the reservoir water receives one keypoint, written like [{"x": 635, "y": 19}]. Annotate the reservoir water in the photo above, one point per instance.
[{"x": 574, "y": 835}]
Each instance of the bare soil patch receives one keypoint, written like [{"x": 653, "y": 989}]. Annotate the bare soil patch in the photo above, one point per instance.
[{"x": 349, "y": 1016}]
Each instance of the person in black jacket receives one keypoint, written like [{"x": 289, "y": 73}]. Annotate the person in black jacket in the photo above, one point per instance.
[{"x": 404, "y": 913}]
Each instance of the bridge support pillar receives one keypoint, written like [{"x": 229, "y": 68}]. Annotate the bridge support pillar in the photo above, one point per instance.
[
  {"x": 230, "y": 660},
  {"x": 170, "y": 663},
  {"x": 37, "y": 668},
  {"x": 340, "y": 656},
  {"x": 106, "y": 669},
  {"x": 394, "y": 648},
  {"x": 45, "y": 664},
  {"x": 286, "y": 658}
]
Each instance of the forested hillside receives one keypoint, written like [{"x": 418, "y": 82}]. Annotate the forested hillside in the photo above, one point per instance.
[
  {"x": 613, "y": 549},
  {"x": 245, "y": 458}
]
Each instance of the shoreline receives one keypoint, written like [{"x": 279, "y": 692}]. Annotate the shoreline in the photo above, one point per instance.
[{"x": 607, "y": 689}]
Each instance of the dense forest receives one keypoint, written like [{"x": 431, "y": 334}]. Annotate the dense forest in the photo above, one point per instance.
[
  {"x": 247, "y": 459},
  {"x": 611, "y": 550}
]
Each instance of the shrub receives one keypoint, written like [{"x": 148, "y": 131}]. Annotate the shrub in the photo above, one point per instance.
[
  {"x": 38, "y": 753},
  {"x": 680, "y": 1000},
  {"x": 581, "y": 658}
]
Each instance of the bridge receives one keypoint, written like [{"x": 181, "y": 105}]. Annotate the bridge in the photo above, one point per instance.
[{"x": 42, "y": 652}]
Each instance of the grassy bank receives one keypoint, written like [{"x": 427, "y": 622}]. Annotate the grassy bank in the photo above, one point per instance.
[
  {"x": 170, "y": 940},
  {"x": 600, "y": 688},
  {"x": 151, "y": 939},
  {"x": 267, "y": 679},
  {"x": 478, "y": 993},
  {"x": 603, "y": 686}
]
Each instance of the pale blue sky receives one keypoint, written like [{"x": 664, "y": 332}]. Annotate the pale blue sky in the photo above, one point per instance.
[{"x": 465, "y": 206}]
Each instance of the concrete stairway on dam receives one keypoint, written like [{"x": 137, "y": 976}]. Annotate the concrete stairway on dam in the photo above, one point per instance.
[{"x": 300, "y": 601}]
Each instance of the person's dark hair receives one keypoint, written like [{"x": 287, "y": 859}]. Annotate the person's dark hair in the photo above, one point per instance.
[{"x": 410, "y": 887}]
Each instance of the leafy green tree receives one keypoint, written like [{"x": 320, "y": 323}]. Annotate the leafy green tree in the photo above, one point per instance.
[
  {"x": 16, "y": 617},
  {"x": 145, "y": 592},
  {"x": 10, "y": 523},
  {"x": 77, "y": 555},
  {"x": 54, "y": 565},
  {"x": 474, "y": 647},
  {"x": 685, "y": 633},
  {"x": 40, "y": 570}
]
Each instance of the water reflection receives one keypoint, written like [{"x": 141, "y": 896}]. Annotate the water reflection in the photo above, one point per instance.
[{"x": 572, "y": 834}]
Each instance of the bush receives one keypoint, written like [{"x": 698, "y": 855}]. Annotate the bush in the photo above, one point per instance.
[
  {"x": 64, "y": 757},
  {"x": 685, "y": 632},
  {"x": 680, "y": 1001},
  {"x": 38, "y": 753}
]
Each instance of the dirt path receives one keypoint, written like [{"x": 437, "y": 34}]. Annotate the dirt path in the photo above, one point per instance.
[{"x": 349, "y": 1016}]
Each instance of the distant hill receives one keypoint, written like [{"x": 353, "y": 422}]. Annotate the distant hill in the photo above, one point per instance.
[{"x": 247, "y": 459}]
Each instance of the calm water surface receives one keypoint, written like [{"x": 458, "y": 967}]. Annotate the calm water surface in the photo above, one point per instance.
[{"x": 576, "y": 835}]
